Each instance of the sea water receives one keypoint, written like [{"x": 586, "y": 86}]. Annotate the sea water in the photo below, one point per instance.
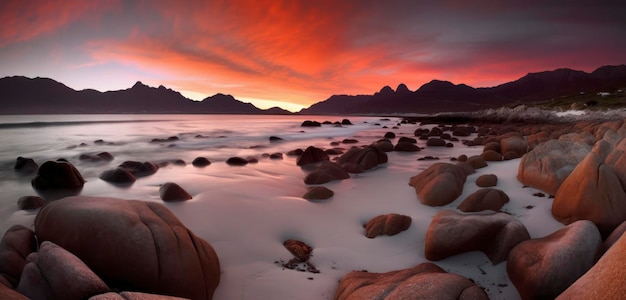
[{"x": 136, "y": 137}]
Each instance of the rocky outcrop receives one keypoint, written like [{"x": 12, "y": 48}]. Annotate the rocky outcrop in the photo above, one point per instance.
[
  {"x": 312, "y": 155},
  {"x": 318, "y": 193},
  {"x": 54, "y": 273},
  {"x": 326, "y": 172},
  {"x": 58, "y": 175},
  {"x": 495, "y": 234},
  {"x": 593, "y": 191},
  {"x": 132, "y": 245},
  {"x": 364, "y": 159},
  {"x": 605, "y": 280},
  {"x": 390, "y": 224},
  {"x": 173, "y": 192},
  {"x": 543, "y": 268},
  {"x": 439, "y": 184},
  {"x": 424, "y": 281},
  {"x": 548, "y": 165},
  {"x": 18, "y": 242},
  {"x": 484, "y": 199}
]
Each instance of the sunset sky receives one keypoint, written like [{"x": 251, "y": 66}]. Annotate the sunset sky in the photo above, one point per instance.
[{"x": 295, "y": 53}]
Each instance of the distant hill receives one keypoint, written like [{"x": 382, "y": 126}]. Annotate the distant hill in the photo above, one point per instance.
[
  {"x": 23, "y": 95},
  {"x": 442, "y": 96}
]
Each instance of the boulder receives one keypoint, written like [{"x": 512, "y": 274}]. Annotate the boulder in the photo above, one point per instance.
[
  {"x": 516, "y": 144},
  {"x": 58, "y": 175},
  {"x": 476, "y": 161},
  {"x": 276, "y": 155},
  {"x": 367, "y": 157},
  {"x": 200, "y": 162},
  {"x": 592, "y": 191},
  {"x": 318, "y": 193},
  {"x": 326, "y": 172},
  {"x": 484, "y": 199},
  {"x": 132, "y": 245},
  {"x": 140, "y": 169},
  {"x": 491, "y": 155},
  {"x": 495, "y": 234},
  {"x": 346, "y": 122},
  {"x": 30, "y": 202},
  {"x": 543, "y": 268},
  {"x": 236, "y": 161},
  {"x": 605, "y": 280},
  {"x": 172, "y": 192},
  {"x": 312, "y": 155},
  {"x": 25, "y": 165},
  {"x": 390, "y": 135},
  {"x": 299, "y": 249},
  {"x": 384, "y": 145},
  {"x": 18, "y": 242},
  {"x": 295, "y": 152},
  {"x": 390, "y": 224},
  {"x": 487, "y": 180},
  {"x": 439, "y": 184},
  {"x": 614, "y": 236},
  {"x": 275, "y": 139},
  {"x": 309, "y": 123},
  {"x": 54, "y": 273},
  {"x": 406, "y": 147},
  {"x": 435, "y": 142},
  {"x": 548, "y": 164},
  {"x": 404, "y": 139},
  {"x": 118, "y": 176},
  {"x": 424, "y": 281},
  {"x": 350, "y": 141},
  {"x": 510, "y": 155}
]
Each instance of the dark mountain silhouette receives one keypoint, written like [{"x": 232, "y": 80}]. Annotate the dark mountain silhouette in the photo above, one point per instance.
[
  {"x": 22, "y": 95},
  {"x": 438, "y": 96}
]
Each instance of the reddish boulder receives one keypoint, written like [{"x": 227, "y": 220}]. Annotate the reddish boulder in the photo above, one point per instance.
[
  {"x": 326, "y": 172},
  {"x": 605, "y": 280},
  {"x": 484, "y": 199},
  {"x": 299, "y": 249},
  {"x": 424, "y": 281},
  {"x": 54, "y": 273},
  {"x": 547, "y": 165},
  {"x": 367, "y": 157},
  {"x": 406, "y": 147},
  {"x": 516, "y": 144},
  {"x": 495, "y": 234},
  {"x": 7, "y": 293},
  {"x": 118, "y": 176},
  {"x": 172, "y": 192},
  {"x": 592, "y": 191},
  {"x": 132, "y": 245},
  {"x": 543, "y": 268},
  {"x": 487, "y": 180},
  {"x": 491, "y": 155},
  {"x": 390, "y": 224},
  {"x": 312, "y": 155},
  {"x": 18, "y": 242},
  {"x": 439, "y": 184},
  {"x": 58, "y": 175},
  {"x": 384, "y": 145}
]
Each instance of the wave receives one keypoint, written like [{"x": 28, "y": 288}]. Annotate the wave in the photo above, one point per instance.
[{"x": 68, "y": 123}]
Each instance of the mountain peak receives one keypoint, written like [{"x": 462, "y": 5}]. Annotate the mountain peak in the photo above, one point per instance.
[
  {"x": 139, "y": 84},
  {"x": 402, "y": 88},
  {"x": 386, "y": 91}
]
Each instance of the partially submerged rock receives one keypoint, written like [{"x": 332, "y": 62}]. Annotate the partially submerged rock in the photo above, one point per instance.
[
  {"x": 318, "y": 193},
  {"x": 365, "y": 158},
  {"x": 326, "y": 172},
  {"x": 424, "y": 281},
  {"x": 312, "y": 155},
  {"x": 170, "y": 192},
  {"x": 30, "y": 202},
  {"x": 58, "y": 175}
]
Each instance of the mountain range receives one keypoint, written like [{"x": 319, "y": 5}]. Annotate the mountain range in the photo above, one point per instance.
[{"x": 23, "y": 95}]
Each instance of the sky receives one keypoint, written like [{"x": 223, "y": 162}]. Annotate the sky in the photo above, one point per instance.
[{"x": 295, "y": 53}]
